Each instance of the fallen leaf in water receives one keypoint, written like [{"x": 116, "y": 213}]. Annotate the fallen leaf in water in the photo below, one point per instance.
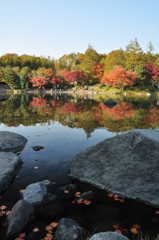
[
  {"x": 66, "y": 191},
  {"x": 2, "y": 213},
  {"x": 22, "y": 190},
  {"x": 78, "y": 194},
  {"x": 48, "y": 228},
  {"x": 80, "y": 201},
  {"x": 110, "y": 195},
  {"x": 36, "y": 230},
  {"x": 3, "y": 207},
  {"x": 53, "y": 224},
  {"x": 36, "y": 167},
  {"x": 134, "y": 230},
  {"x": 136, "y": 225},
  {"x": 121, "y": 200},
  {"x": 87, "y": 202},
  {"x": 69, "y": 174},
  {"x": 116, "y": 226},
  {"x": 157, "y": 212}
]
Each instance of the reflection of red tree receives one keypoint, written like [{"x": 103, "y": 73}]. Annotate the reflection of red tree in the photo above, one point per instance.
[
  {"x": 38, "y": 102},
  {"x": 96, "y": 113},
  {"x": 55, "y": 103},
  {"x": 152, "y": 116},
  {"x": 71, "y": 108},
  {"x": 120, "y": 111}
]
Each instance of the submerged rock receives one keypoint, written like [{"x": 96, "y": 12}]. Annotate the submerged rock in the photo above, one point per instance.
[
  {"x": 11, "y": 142},
  {"x": 18, "y": 218},
  {"x": 127, "y": 164},
  {"x": 35, "y": 192},
  {"x": 108, "y": 236},
  {"x": 69, "y": 229},
  {"x": 10, "y": 164}
]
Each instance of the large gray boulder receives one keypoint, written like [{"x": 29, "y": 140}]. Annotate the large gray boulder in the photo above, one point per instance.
[
  {"x": 10, "y": 164},
  {"x": 11, "y": 142},
  {"x": 127, "y": 164},
  {"x": 108, "y": 236}
]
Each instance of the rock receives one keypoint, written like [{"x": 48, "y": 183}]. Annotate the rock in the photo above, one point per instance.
[
  {"x": 110, "y": 103},
  {"x": 37, "y": 148},
  {"x": 35, "y": 192},
  {"x": 108, "y": 236},
  {"x": 69, "y": 229},
  {"x": 11, "y": 142},
  {"x": 127, "y": 164},
  {"x": 90, "y": 196},
  {"x": 10, "y": 164},
  {"x": 18, "y": 218}
]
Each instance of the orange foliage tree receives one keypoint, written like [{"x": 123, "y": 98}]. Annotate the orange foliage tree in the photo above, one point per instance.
[
  {"x": 120, "y": 78},
  {"x": 98, "y": 71},
  {"x": 38, "y": 82}
]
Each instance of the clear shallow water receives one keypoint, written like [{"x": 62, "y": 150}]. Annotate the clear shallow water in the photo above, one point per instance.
[{"x": 64, "y": 126}]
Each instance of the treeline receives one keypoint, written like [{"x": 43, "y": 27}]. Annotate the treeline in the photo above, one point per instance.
[{"x": 120, "y": 69}]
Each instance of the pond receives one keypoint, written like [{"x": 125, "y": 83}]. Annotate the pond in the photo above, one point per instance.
[{"x": 65, "y": 125}]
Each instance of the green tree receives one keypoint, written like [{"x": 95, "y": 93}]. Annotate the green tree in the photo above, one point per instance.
[
  {"x": 24, "y": 75},
  {"x": 11, "y": 78},
  {"x": 91, "y": 57},
  {"x": 142, "y": 76},
  {"x": 113, "y": 59},
  {"x": 134, "y": 55}
]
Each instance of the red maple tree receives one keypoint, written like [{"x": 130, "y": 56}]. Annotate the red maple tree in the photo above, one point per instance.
[
  {"x": 38, "y": 82},
  {"x": 76, "y": 76},
  {"x": 120, "y": 78},
  {"x": 98, "y": 71}
]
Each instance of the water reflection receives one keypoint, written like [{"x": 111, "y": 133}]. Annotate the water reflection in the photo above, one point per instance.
[
  {"x": 64, "y": 125},
  {"x": 80, "y": 112}
]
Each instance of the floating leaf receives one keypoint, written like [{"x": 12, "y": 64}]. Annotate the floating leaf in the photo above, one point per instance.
[
  {"x": 136, "y": 225},
  {"x": 36, "y": 167},
  {"x": 116, "y": 226},
  {"x": 87, "y": 202},
  {"x": 36, "y": 230},
  {"x": 3, "y": 207},
  {"x": 110, "y": 195},
  {"x": 134, "y": 230},
  {"x": 78, "y": 194},
  {"x": 54, "y": 224},
  {"x": 66, "y": 191}
]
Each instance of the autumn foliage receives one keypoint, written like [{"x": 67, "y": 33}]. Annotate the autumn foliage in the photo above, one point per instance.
[
  {"x": 38, "y": 82},
  {"x": 120, "y": 78},
  {"x": 120, "y": 111},
  {"x": 75, "y": 76},
  {"x": 98, "y": 71},
  {"x": 153, "y": 73}
]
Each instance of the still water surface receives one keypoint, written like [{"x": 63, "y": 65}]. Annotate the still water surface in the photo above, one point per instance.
[{"x": 65, "y": 125}]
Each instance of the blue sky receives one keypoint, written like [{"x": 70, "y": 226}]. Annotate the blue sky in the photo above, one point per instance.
[{"x": 57, "y": 27}]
